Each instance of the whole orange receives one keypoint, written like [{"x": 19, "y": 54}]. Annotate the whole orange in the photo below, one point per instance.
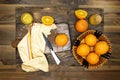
[
  {"x": 83, "y": 50},
  {"x": 61, "y": 39},
  {"x": 90, "y": 39},
  {"x": 81, "y": 25},
  {"x": 92, "y": 58},
  {"x": 101, "y": 47}
]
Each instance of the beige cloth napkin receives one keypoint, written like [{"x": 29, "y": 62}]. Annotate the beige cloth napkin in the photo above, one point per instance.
[{"x": 39, "y": 61}]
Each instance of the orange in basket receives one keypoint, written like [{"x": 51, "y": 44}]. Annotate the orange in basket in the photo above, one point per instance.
[
  {"x": 92, "y": 58},
  {"x": 90, "y": 39},
  {"x": 83, "y": 50},
  {"x": 101, "y": 47}
]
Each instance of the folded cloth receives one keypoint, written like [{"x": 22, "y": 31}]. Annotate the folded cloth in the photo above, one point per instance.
[{"x": 38, "y": 61}]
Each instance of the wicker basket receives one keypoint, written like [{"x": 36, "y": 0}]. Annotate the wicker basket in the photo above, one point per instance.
[{"x": 102, "y": 59}]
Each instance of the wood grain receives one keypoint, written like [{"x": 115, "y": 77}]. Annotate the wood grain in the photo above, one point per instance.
[{"x": 69, "y": 69}]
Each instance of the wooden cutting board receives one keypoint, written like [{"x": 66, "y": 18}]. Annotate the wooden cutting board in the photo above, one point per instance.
[{"x": 61, "y": 28}]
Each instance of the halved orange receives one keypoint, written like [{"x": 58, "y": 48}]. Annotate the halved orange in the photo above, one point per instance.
[
  {"x": 47, "y": 20},
  {"x": 81, "y": 14}
]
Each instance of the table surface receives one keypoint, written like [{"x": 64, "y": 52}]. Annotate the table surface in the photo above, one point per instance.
[{"x": 69, "y": 69}]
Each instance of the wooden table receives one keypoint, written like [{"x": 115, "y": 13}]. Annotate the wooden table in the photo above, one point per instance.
[{"x": 9, "y": 70}]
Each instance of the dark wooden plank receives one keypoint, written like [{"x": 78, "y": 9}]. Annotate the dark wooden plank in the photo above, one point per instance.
[
  {"x": 66, "y": 68},
  {"x": 7, "y": 34},
  {"x": 7, "y": 15},
  {"x": 60, "y": 68},
  {"x": 8, "y": 67},
  {"x": 57, "y": 71},
  {"x": 40, "y": 2},
  {"x": 115, "y": 43},
  {"x": 98, "y": 2},
  {"x": 112, "y": 18},
  {"x": 70, "y": 76},
  {"x": 21, "y": 78},
  {"x": 7, "y": 54},
  {"x": 56, "y": 1},
  {"x": 63, "y": 73},
  {"x": 88, "y": 75}
]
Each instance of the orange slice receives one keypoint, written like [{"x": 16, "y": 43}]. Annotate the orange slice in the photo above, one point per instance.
[
  {"x": 47, "y": 20},
  {"x": 81, "y": 14}
]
